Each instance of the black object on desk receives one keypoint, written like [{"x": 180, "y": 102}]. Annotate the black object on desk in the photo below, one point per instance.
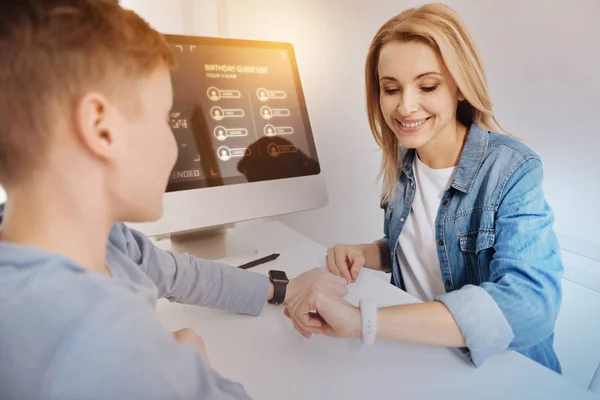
[{"x": 259, "y": 261}]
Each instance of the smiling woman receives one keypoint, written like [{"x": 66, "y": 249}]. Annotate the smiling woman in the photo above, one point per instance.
[{"x": 467, "y": 228}]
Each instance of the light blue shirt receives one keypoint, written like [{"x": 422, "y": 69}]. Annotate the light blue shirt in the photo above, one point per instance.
[
  {"x": 68, "y": 333},
  {"x": 499, "y": 255}
]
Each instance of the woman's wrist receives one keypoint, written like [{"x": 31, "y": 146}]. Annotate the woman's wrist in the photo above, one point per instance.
[
  {"x": 375, "y": 255},
  {"x": 355, "y": 331}
]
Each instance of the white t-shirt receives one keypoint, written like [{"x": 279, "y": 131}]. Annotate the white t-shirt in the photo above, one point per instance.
[{"x": 417, "y": 250}]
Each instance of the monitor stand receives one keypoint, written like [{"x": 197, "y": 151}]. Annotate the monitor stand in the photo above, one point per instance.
[{"x": 215, "y": 243}]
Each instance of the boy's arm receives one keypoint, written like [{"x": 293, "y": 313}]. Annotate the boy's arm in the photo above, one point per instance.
[
  {"x": 119, "y": 350},
  {"x": 190, "y": 280}
]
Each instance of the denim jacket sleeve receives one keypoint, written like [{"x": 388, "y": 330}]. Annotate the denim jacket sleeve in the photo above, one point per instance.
[
  {"x": 519, "y": 304},
  {"x": 190, "y": 280}
]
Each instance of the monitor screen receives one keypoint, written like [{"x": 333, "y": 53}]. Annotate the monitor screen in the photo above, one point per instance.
[{"x": 239, "y": 113}]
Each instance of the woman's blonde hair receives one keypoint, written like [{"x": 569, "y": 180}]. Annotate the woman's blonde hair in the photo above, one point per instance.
[{"x": 441, "y": 28}]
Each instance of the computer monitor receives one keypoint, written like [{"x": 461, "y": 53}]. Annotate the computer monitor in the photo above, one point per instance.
[{"x": 246, "y": 147}]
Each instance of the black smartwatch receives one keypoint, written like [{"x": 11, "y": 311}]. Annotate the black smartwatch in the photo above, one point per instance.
[{"x": 279, "y": 280}]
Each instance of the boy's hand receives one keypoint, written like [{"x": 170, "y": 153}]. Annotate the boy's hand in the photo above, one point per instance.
[{"x": 188, "y": 337}]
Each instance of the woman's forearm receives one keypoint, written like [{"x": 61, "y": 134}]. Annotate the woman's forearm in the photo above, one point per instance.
[{"x": 427, "y": 323}]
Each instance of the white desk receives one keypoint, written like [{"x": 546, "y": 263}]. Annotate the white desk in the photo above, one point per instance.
[{"x": 273, "y": 361}]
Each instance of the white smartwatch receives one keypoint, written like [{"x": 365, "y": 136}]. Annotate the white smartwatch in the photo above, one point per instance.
[{"x": 368, "y": 318}]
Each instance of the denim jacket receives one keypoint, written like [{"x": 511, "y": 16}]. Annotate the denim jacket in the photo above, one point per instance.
[{"x": 499, "y": 256}]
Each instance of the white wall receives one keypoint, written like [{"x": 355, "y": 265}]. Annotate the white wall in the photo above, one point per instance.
[
  {"x": 163, "y": 15},
  {"x": 191, "y": 17},
  {"x": 542, "y": 77}
]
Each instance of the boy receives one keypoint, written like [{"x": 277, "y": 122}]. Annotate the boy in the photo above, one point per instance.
[{"x": 85, "y": 95}]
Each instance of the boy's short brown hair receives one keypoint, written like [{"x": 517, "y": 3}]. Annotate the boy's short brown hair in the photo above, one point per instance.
[{"x": 52, "y": 52}]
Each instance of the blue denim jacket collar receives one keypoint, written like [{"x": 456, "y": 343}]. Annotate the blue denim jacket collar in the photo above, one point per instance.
[{"x": 470, "y": 160}]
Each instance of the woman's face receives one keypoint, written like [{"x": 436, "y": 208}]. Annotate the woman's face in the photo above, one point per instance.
[{"x": 418, "y": 96}]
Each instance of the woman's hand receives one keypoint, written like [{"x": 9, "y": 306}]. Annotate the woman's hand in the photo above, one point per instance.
[{"x": 345, "y": 261}]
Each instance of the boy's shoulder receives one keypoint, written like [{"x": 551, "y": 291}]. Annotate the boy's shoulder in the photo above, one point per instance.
[
  {"x": 44, "y": 301},
  {"x": 42, "y": 291},
  {"x": 35, "y": 274}
]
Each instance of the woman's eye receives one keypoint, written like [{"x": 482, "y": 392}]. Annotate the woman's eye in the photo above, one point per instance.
[{"x": 428, "y": 89}]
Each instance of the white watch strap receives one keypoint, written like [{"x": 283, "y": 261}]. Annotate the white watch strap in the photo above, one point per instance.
[{"x": 368, "y": 318}]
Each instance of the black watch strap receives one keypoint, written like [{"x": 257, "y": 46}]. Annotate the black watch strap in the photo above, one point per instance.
[{"x": 280, "y": 281}]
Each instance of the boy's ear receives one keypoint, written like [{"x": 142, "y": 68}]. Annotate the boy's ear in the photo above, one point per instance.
[{"x": 93, "y": 124}]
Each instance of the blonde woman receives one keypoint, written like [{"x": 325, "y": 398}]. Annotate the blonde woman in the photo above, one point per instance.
[{"x": 467, "y": 229}]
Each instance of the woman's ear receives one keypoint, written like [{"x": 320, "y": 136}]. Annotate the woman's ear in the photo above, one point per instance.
[{"x": 460, "y": 96}]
